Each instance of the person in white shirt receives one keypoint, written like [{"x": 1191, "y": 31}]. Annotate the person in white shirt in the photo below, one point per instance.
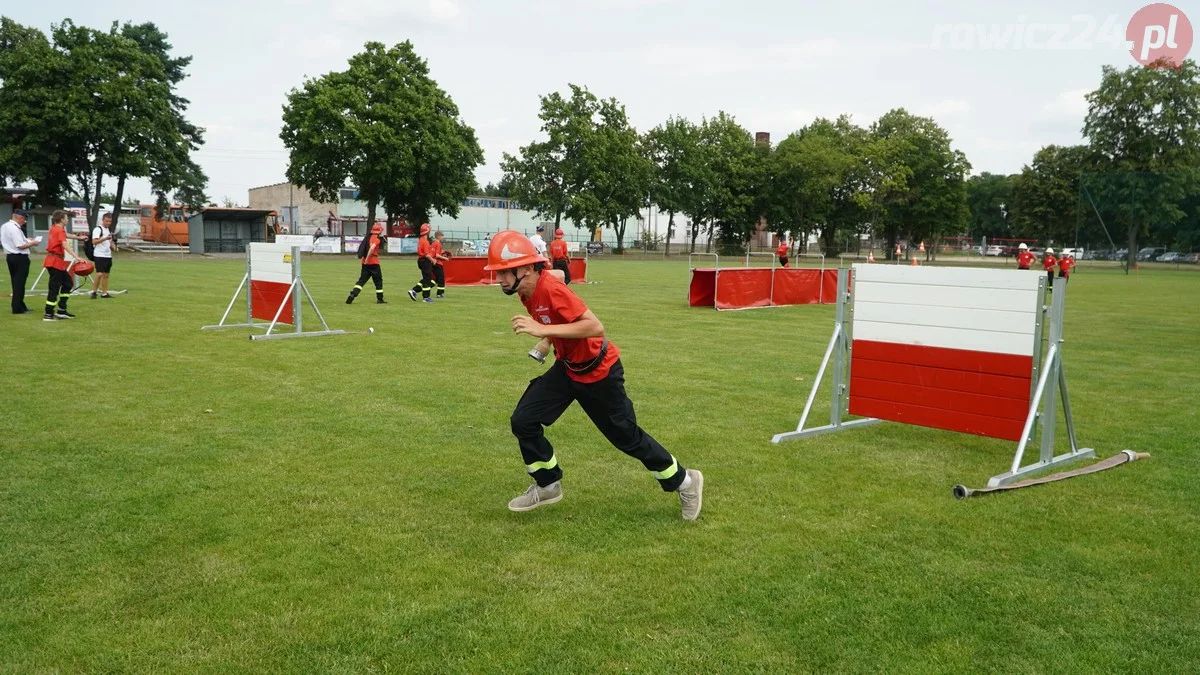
[
  {"x": 16, "y": 254},
  {"x": 539, "y": 244},
  {"x": 102, "y": 255}
]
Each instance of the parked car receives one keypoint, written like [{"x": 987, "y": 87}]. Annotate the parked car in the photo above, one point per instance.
[
  {"x": 1170, "y": 257},
  {"x": 993, "y": 250},
  {"x": 1121, "y": 255},
  {"x": 1190, "y": 258},
  {"x": 1150, "y": 253}
]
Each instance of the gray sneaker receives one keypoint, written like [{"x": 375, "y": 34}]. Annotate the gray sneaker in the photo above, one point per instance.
[
  {"x": 691, "y": 498},
  {"x": 537, "y": 496}
]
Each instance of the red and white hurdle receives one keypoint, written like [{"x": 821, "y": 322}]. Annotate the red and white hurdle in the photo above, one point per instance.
[
  {"x": 949, "y": 348},
  {"x": 274, "y": 294}
]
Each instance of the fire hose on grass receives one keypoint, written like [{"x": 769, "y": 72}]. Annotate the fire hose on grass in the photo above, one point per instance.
[{"x": 1123, "y": 457}]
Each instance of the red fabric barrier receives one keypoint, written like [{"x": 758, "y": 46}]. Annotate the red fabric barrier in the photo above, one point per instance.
[
  {"x": 743, "y": 287},
  {"x": 468, "y": 271}
]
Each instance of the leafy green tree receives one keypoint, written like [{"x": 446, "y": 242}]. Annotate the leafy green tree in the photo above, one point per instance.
[
  {"x": 1045, "y": 195},
  {"x": 673, "y": 150},
  {"x": 1143, "y": 127},
  {"x": 385, "y": 125}
]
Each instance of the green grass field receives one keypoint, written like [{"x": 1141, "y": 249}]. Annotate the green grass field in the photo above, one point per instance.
[{"x": 178, "y": 500}]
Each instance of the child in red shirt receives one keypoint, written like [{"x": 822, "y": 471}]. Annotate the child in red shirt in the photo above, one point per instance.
[
  {"x": 1024, "y": 258},
  {"x": 560, "y": 256},
  {"x": 56, "y": 264},
  {"x": 439, "y": 257},
  {"x": 1065, "y": 264},
  {"x": 1048, "y": 264},
  {"x": 425, "y": 260},
  {"x": 370, "y": 267},
  {"x": 782, "y": 252},
  {"x": 587, "y": 369}
]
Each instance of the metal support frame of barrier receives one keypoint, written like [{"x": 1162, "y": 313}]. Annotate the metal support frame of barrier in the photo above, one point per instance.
[
  {"x": 1051, "y": 385},
  {"x": 771, "y": 295},
  {"x": 77, "y": 291},
  {"x": 839, "y": 352},
  {"x": 716, "y": 268},
  {"x": 293, "y": 295}
]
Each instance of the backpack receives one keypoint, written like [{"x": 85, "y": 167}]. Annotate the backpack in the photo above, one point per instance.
[
  {"x": 364, "y": 246},
  {"x": 89, "y": 249}
]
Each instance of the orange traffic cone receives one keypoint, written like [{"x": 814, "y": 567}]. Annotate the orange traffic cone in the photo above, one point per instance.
[
  {"x": 915, "y": 263},
  {"x": 922, "y": 248},
  {"x": 870, "y": 257},
  {"x": 897, "y": 250}
]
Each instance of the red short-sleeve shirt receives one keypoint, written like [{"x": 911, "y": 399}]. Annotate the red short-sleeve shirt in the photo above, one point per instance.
[{"x": 553, "y": 303}]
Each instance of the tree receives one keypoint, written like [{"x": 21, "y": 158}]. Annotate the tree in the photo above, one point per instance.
[
  {"x": 728, "y": 202},
  {"x": 991, "y": 200},
  {"x": 36, "y": 122},
  {"x": 615, "y": 173},
  {"x": 548, "y": 175},
  {"x": 1044, "y": 197},
  {"x": 919, "y": 187},
  {"x": 385, "y": 125},
  {"x": 673, "y": 150},
  {"x": 1143, "y": 127}
]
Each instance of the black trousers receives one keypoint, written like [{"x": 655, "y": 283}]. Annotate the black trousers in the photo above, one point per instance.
[
  {"x": 18, "y": 272},
  {"x": 439, "y": 278},
  {"x": 1050, "y": 279},
  {"x": 563, "y": 265},
  {"x": 1062, "y": 275},
  {"x": 426, "y": 283},
  {"x": 372, "y": 273},
  {"x": 783, "y": 261},
  {"x": 60, "y": 290},
  {"x": 605, "y": 402}
]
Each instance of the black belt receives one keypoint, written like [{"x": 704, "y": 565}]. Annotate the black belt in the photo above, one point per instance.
[{"x": 585, "y": 368}]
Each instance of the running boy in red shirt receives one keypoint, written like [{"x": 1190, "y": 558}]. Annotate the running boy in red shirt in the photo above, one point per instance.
[
  {"x": 560, "y": 256},
  {"x": 782, "y": 252},
  {"x": 1065, "y": 264},
  {"x": 587, "y": 369},
  {"x": 1048, "y": 263},
  {"x": 1024, "y": 258}
]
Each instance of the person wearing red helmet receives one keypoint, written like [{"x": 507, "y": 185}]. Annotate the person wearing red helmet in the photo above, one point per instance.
[
  {"x": 560, "y": 256},
  {"x": 425, "y": 261},
  {"x": 587, "y": 369},
  {"x": 439, "y": 256},
  {"x": 370, "y": 266}
]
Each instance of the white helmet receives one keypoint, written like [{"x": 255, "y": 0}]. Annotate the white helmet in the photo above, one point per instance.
[
  {"x": 1023, "y": 247},
  {"x": 1049, "y": 251}
]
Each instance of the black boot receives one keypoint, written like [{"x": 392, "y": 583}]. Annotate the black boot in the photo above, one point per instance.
[
  {"x": 379, "y": 299},
  {"x": 353, "y": 294}
]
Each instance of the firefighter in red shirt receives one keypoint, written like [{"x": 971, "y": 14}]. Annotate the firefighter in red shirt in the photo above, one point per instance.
[
  {"x": 425, "y": 261},
  {"x": 587, "y": 369},
  {"x": 560, "y": 256},
  {"x": 1024, "y": 257},
  {"x": 56, "y": 264},
  {"x": 439, "y": 256},
  {"x": 782, "y": 252},
  {"x": 370, "y": 266},
  {"x": 1049, "y": 262},
  {"x": 1065, "y": 264}
]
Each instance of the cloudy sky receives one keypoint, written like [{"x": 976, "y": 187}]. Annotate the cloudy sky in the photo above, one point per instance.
[{"x": 1003, "y": 78}]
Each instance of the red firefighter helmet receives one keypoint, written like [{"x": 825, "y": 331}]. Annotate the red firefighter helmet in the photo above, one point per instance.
[
  {"x": 559, "y": 233},
  {"x": 511, "y": 249},
  {"x": 425, "y": 229},
  {"x": 377, "y": 228}
]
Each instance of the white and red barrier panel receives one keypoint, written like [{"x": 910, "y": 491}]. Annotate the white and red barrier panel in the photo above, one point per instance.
[
  {"x": 746, "y": 287},
  {"x": 468, "y": 271},
  {"x": 270, "y": 279},
  {"x": 947, "y": 348}
]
